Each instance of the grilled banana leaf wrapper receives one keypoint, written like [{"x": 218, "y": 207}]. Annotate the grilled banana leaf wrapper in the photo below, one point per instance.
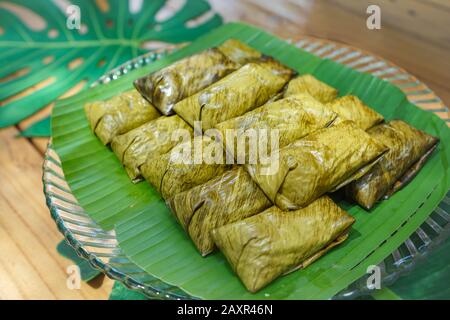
[
  {"x": 275, "y": 242},
  {"x": 227, "y": 198},
  {"x": 352, "y": 108},
  {"x": 119, "y": 115},
  {"x": 239, "y": 52},
  {"x": 182, "y": 168},
  {"x": 309, "y": 84},
  {"x": 409, "y": 148},
  {"x": 151, "y": 139},
  {"x": 290, "y": 118},
  {"x": 323, "y": 161},
  {"x": 239, "y": 92},
  {"x": 183, "y": 78}
]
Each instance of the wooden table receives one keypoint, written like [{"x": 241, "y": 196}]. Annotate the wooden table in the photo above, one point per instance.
[{"x": 414, "y": 35}]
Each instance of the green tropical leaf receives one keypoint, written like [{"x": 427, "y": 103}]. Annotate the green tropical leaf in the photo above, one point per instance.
[
  {"x": 108, "y": 36},
  {"x": 385, "y": 294},
  {"x": 429, "y": 279},
  {"x": 40, "y": 128},
  {"x": 120, "y": 292},
  {"x": 153, "y": 240}
]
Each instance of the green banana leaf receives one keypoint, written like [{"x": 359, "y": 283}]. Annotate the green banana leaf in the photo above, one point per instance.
[
  {"x": 40, "y": 128},
  {"x": 106, "y": 39},
  {"x": 120, "y": 292},
  {"x": 150, "y": 236}
]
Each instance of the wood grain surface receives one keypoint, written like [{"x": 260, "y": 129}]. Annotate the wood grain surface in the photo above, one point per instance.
[{"x": 414, "y": 35}]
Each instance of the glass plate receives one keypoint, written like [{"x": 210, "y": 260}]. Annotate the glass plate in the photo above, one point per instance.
[{"x": 101, "y": 248}]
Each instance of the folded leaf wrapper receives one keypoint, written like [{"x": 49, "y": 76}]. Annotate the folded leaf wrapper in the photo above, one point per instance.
[
  {"x": 182, "y": 169},
  {"x": 227, "y": 198},
  {"x": 323, "y": 161},
  {"x": 275, "y": 242},
  {"x": 293, "y": 118},
  {"x": 151, "y": 139},
  {"x": 119, "y": 115},
  {"x": 309, "y": 84},
  {"x": 239, "y": 52},
  {"x": 239, "y": 92},
  {"x": 409, "y": 148},
  {"x": 183, "y": 78},
  {"x": 352, "y": 108}
]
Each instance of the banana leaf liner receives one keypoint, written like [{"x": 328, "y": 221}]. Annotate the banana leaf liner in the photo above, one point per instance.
[
  {"x": 309, "y": 84},
  {"x": 323, "y": 161},
  {"x": 227, "y": 198},
  {"x": 293, "y": 118},
  {"x": 409, "y": 148},
  {"x": 352, "y": 108},
  {"x": 275, "y": 242},
  {"x": 119, "y": 115},
  {"x": 151, "y": 139},
  {"x": 180, "y": 169},
  {"x": 239, "y": 92},
  {"x": 183, "y": 78}
]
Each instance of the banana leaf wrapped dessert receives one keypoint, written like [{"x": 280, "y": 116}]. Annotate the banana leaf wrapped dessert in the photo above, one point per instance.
[
  {"x": 409, "y": 148},
  {"x": 277, "y": 68},
  {"x": 183, "y": 78},
  {"x": 309, "y": 84},
  {"x": 275, "y": 242},
  {"x": 119, "y": 115},
  {"x": 352, "y": 108},
  {"x": 239, "y": 52},
  {"x": 321, "y": 162},
  {"x": 293, "y": 118},
  {"x": 153, "y": 138},
  {"x": 187, "y": 165},
  {"x": 227, "y": 198},
  {"x": 239, "y": 92}
]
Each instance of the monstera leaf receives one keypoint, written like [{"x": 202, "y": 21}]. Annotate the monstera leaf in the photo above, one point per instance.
[{"x": 48, "y": 48}]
